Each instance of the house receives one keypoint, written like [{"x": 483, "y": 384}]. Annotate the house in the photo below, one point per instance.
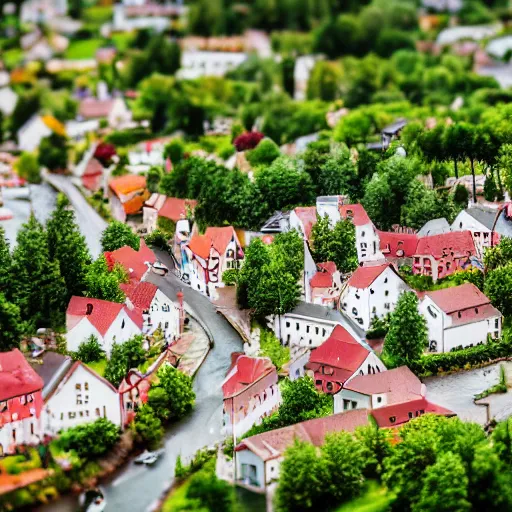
[
  {"x": 8, "y": 99},
  {"x": 110, "y": 322},
  {"x": 371, "y": 292},
  {"x": 303, "y": 67},
  {"x": 127, "y": 195},
  {"x": 206, "y": 257},
  {"x": 21, "y": 402},
  {"x": 325, "y": 285},
  {"x": 278, "y": 223},
  {"x": 459, "y": 316},
  {"x": 398, "y": 246},
  {"x": 258, "y": 458},
  {"x": 136, "y": 263},
  {"x": 440, "y": 255},
  {"x": 41, "y": 11},
  {"x": 340, "y": 358},
  {"x": 376, "y": 390},
  {"x": 303, "y": 219},
  {"x": 171, "y": 208},
  {"x": 158, "y": 310},
  {"x": 92, "y": 177},
  {"x": 435, "y": 227},
  {"x": 299, "y": 358},
  {"x": 74, "y": 394},
  {"x": 36, "y": 129},
  {"x": 392, "y": 132},
  {"x": 197, "y": 64},
  {"x": 113, "y": 110},
  {"x": 250, "y": 392}
]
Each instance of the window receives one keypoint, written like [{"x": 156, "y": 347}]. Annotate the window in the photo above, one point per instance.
[
  {"x": 410, "y": 415},
  {"x": 81, "y": 414},
  {"x": 354, "y": 404},
  {"x": 497, "y": 323},
  {"x": 329, "y": 386},
  {"x": 122, "y": 324},
  {"x": 87, "y": 413},
  {"x": 98, "y": 411},
  {"x": 362, "y": 233},
  {"x": 166, "y": 308},
  {"x": 386, "y": 293},
  {"x": 364, "y": 246},
  {"x": 307, "y": 328},
  {"x": 61, "y": 415},
  {"x": 346, "y": 404},
  {"x": 78, "y": 399},
  {"x": 379, "y": 399},
  {"x": 14, "y": 435},
  {"x": 297, "y": 326},
  {"x": 354, "y": 311},
  {"x": 323, "y": 332},
  {"x": 385, "y": 280},
  {"x": 32, "y": 429},
  {"x": 287, "y": 324},
  {"x": 71, "y": 415},
  {"x": 86, "y": 386},
  {"x": 459, "y": 314},
  {"x": 318, "y": 382},
  {"x": 372, "y": 291},
  {"x": 431, "y": 311},
  {"x": 476, "y": 310},
  {"x": 317, "y": 330},
  {"x": 166, "y": 325},
  {"x": 23, "y": 399},
  {"x": 78, "y": 386},
  {"x": 392, "y": 419},
  {"x": 86, "y": 400},
  {"x": 3, "y": 406},
  {"x": 387, "y": 305},
  {"x": 369, "y": 369}
]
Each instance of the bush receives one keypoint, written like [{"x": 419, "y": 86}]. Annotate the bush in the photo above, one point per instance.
[
  {"x": 147, "y": 427},
  {"x": 230, "y": 276},
  {"x": 378, "y": 328},
  {"x": 157, "y": 239},
  {"x": 264, "y": 153},
  {"x": 248, "y": 140},
  {"x": 211, "y": 492},
  {"x": 127, "y": 137},
  {"x": 89, "y": 350},
  {"x": 271, "y": 347}
]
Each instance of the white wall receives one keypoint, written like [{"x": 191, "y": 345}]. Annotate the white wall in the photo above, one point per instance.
[
  {"x": 247, "y": 457},
  {"x": 371, "y": 365},
  {"x": 163, "y": 312},
  {"x": 297, "y": 369},
  {"x": 32, "y": 133},
  {"x": 22, "y": 429},
  {"x": 481, "y": 234},
  {"x": 119, "y": 114},
  {"x": 63, "y": 409},
  {"x": 80, "y": 332},
  {"x": 367, "y": 242},
  {"x": 302, "y": 331},
  {"x": 195, "y": 64},
  {"x": 436, "y": 320},
  {"x": 361, "y": 401}
]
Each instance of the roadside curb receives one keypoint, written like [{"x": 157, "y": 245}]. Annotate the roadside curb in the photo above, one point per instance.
[
  {"x": 235, "y": 325},
  {"x": 190, "y": 311}
]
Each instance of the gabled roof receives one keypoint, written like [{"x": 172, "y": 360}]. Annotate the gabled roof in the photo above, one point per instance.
[
  {"x": 200, "y": 245},
  {"x": 460, "y": 243},
  {"x": 365, "y": 276},
  {"x": 391, "y": 243},
  {"x": 17, "y": 377},
  {"x": 126, "y": 184},
  {"x": 400, "y": 385},
  {"x": 485, "y": 217},
  {"x": 340, "y": 350},
  {"x": 398, "y": 414},
  {"x": 216, "y": 237},
  {"x": 323, "y": 277},
  {"x": 356, "y": 213},
  {"x": 458, "y": 298},
  {"x": 48, "y": 364},
  {"x": 272, "y": 444},
  {"x": 92, "y": 108},
  {"x": 395, "y": 127},
  {"x": 176, "y": 209},
  {"x": 141, "y": 295},
  {"x": 134, "y": 262},
  {"x": 246, "y": 371},
  {"x": 307, "y": 215},
  {"x": 102, "y": 312}
]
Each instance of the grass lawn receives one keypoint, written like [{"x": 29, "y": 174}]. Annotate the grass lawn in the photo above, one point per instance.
[
  {"x": 98, "y": 366},
  {"x": 98, "y": 14},
  {"x": 122, "y": 40},
  {"x": 376, "y": 499},
  {"x": 12, "y": 57},
  {"x": 178, "y": 498},
  {"x": 85, "y": 49}
]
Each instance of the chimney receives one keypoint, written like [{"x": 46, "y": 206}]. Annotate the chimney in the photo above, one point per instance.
[{"x": 88, "y": 311}]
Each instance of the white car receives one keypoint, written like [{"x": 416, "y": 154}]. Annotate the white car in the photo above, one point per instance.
[{"x": 159, "y": 268}]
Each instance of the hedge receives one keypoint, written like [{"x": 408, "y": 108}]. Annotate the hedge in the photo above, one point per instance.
[{"x": 127, "y": 137}]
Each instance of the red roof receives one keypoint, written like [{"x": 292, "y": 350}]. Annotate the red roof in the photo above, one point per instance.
[
  {"x": 340, "y": 350},
  {"x": 176, "y": 209},
  {"x": 246, "y": 371},
  {"x": 17, "y": 377},
  {"x": 398, "y": 414},
  {"x": 356, "y": 213},
  {"x": 458, "y": 298},
  {"x": 135, "y": 262},
  {"x": 365, "y": 276},
  {"x": 200, "y": 245},
  {"x": 91, "y": 108},
  {"x": 397, "y": 245},
  {"x": 323, "y": 278},
  {"x": 307, "y": 215},
  {"x": 454, "y": 243},
  {"x": 91, "y": 178},
  {"x": 126, "y": 184},
  {"x": 103, "y": 312},
  {"x": 140, "y": 294},
  {"x": 218, "y": 238}
]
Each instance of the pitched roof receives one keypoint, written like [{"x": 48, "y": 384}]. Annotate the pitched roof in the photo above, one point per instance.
[
  {"x": 272, "y": 444},
  {"x": 48, "y": 364},
  {"x": 200, "y": 245},
  {"x": 218, "y": 238},
  {"x": 340, "y": 350},
  {"x": 457, "y": 298},
  {"x": 485, "y": 217},
  {"x": 17, "y": 377},
  {"x": 397, "y": 244},
  {"x": 460, "y": 243},
  {"x": 92, "y": 108},
  {"x": 102, "y": 312},
  {"x": 176, "y": 209},
  {"x": 400, "y": 385},
  {"x": 356, "y": 213},
  {"x": 398, "y": 414},
  {"x": 127, "y": 184},
  {"x": 140, "y": 294},
  {"x": 134, "y": 262},
  {"x": 246, "y": 371},
  {"x": 307, "y": 215},
  {"x": 365, "y": 276},
  {"x": 323, "y": 277}
]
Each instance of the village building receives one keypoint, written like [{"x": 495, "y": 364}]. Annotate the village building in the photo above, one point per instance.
[
  {"x": 109, "y": 322},
  {"x": 250, "y": 392},
  {"x": 375, "y": 390},
  {"x": 206, "y": 257},
  {"x": 159, "y": 206},
  {"x": 196, "y": 64},
  {"x": 92, "y": 176},
  {"x": 278, "y": 223},
  {"x": 136, "y": 263},
  {"x": 113, "y": 110},
  {"x": 461, "y": 316},
  {"x": 340, "y": 358},
  {"x": 303, "y": 219},
  {"x": 127, "y": 194},
  {"x": 296, "y": 366},
  {"x": 36, "y": 129},
  {"x": 325, "y": 285},
  {"x": 21, "y": 402},
  {"x": 371, "y": 292}
]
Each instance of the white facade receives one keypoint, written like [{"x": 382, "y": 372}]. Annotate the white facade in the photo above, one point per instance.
[
  {"x": 123, "y": 23},
  {"x": 81, "y": 397},
  {"x": 32, "y": 133},
  {"x": 482, "y": 235},
  {"x": 26, "y": 431},
  {"x": 444, "y": 336},
  {"x": 8, "y": 99},
  {"x": 122, "y": 329},
  {"x": 347, "y": 399},
  {"x": 119, "y": 115},
  {"x": 196, "y": 64},
  {"x": 302, "y": 331},
  {"x": 251, "y": 470},
  {"x": 377, "y": 300},
  {"x": 368, "y": 243},
  {"x": 38, "y": 11},
  {"x": 298, "y": 362}
]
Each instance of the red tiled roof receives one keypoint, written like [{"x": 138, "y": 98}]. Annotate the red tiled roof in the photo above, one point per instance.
[
  {"x": 406, "y": 411},
  {"x": 93, "y": 168},
  {"x": 340, "y": 350},
  {"x": 356, "y": 213},
  {"x": 128, "y": 183},
  {"x": 141, "y": 294},
  {"x": 176, "y": 209},
  {"x": 365, "y": 276},
  {"x": 200, "y": 245},
  {"x": 135, "y": 262},
  {"x": 460, "y": 243},
  {"x": 91, "y": 108},
  {"x": 323, "y": 278},
  {"x": 271, "y": 445},
  {"x": 307, "y": 215},
  {"x": 221, "y": 237},
  {"x": 246, "y": 371},
  {"x": 133, "y": 205},
  {"x": 400, "y": 385},
  {"x": 102, "y": 315},
  {"x": 471, "y": 315},
  {"x": 390, "y": 243},
  {"x": 458, "y": 298},
  {"x": 17, "y": 377}
]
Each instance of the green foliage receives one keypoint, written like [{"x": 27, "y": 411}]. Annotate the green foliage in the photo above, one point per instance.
[
  {"x": 123, "y": 357},
  {"x": 378, "y": 328},
  {"x": 174, "y": 150},
  {"x": 147, "y": 427},
  {"x": 153, "y": 178},
  {"x": 375, "y": 446},
  {"x": 498, "y": 256},
  {"x": 27, "y": 105},
  {"x": 324, "y": 81},
  {"x": 230, "y": 276},
  {"x": 117, "y": 235},
  {"x": 407, "y": 337},
  {"x": 89, "y": 350},
  {"x": 28, "y": 168},
  {"x": 128, "y": 137},
  {"x": 497, "y": 288},
  {"x": 53, "y": 152},
  {"x": 5, "y": 264},
  {"x": 11, "y": 326},
  {"x": 490, "y": 189},
  {"x": 210, "y": 493},
  {"x": 179, "y": 471},
  {"x": 157, "y": 239},
  {"x": 101, "y": 283},
  {"x": 338, "y": 175},
  {"x": 264, "y": 153},
  {"x": 272, "y": 348}
]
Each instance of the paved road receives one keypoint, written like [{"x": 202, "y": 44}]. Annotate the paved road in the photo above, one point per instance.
[{"x": 90, "y": 223}]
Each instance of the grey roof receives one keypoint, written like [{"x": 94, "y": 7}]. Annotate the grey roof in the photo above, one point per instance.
[
  {"x": 374, "y": 145},
  {"x": 503, "y": 225},
  {"x": 278, "y": 223},
  {"x": 435, "y": 227},
  {"x": 395, "y": 127},
  {"x": 51, "y": 367},
  {"x": 485, "y": 217}
]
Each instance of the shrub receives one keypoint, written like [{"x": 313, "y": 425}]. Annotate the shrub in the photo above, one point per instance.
[
  {"x": 248, "y": 140},
  {"x": 89, "y": 350},
  {"x": 264, "y": 153},
  {"x": 157, "y": 239},
  {"x": 148, "y": 427},
  {"x": 127, "y": 137},
  {"x": 230, "y": 276}
]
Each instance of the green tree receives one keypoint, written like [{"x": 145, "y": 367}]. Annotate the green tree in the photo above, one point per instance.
[
  {"x": 5, "y": 264},
  {"x": 174, "y": 150},
  {"x": 497, "y": 288},
  {"x": 67, "y": 247},
  {"x": 210, "y": 492},
  {"x": 338, "y": 175},
  {"x": 11, "y": 326},
  {"x": 505, "y": 166},
  {"x": 264, "y": 153},
  {"x": 27, "y": 105},
  {"x": 499, "y": 255},
  {"x": 324, "y": 81},
  {"x": 101, "y": 283},
  {"x": 407, "y": 337},
  {"x": 153, "y": 178},
  {"x": 117, "y": 235},
  {"x": 53, "y": 152},
  {"x": 147, "y": 427},
  {"x": 28, "y": 167},
  {"x": 206, "y": 18},
  {"x": 89, "y": 350},
  {"x": 354, "y": 127},
  {"x": 134, "y": 351},
  {"x": 117, "y": 365},
  {"x": 178, "y": 387},
  {"x": 375, "y": 444}
]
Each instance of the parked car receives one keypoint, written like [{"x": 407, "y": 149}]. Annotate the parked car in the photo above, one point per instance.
[{"x": 159, "y": 268}]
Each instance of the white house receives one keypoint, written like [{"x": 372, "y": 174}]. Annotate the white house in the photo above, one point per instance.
[
  {"x": 461, "y": 316},
  {"x": 8, "y": 99},
  {"x": 41, "y": 11},
  {"x": 79, "y": 395},
  {"x": 303, "y": 218},
  {"x": 303, "y": 67},
  {"x": 109, "y": 321},
  {"x": 196, "y": 64},
  {"x": 113, "y": 110},
  {"x": 35, "y": 130},
  {"x": 372, "y": 291},
  {"x": 325, "y": 285}
]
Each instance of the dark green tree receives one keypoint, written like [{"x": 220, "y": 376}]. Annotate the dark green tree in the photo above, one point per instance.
[
  {"x": 53, "y": 152},
  {"x": 153, "y": 178},
  {"x": 117, "y": 365},
  {"x": 89, "y": 350},
  {"x": 28, "y": 167},
  {"x": 338, "y": 175},
  {"x": 11, "y": 326},
  {"x": 147, "y": 428},
  {"x": 497, "y": 288},
  {"x": 102, "y": 283},
  {"x": 117, "y": 235},
  {"x": 210, "y": 492},
  {"x": 5, "y": 265}
]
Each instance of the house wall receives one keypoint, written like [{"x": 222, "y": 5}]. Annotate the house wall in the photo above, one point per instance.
[
  {"x": 16, "y": 433},
  {"x": 302, "y": 331},
  {"x": 120, "y": 114},
  {"x": 80, "y": 332},
  {"x": 361, "y": 401},
  {"x": 247, "y": 458},
  {"x": 367, "y": 243},
  {"x": 297, "y": 367},
  {"x": 436, "y": 320},
  {"x": 116, "y": 207},
  {"x": 64, "y": 410},
  {"x": 163, "y": 313},
  {"x": 120, "y": 332},
  {"x": 195, "y": 64},
  {"x": 470, "y": 334},
  {"x": 296, "y": 223},
  {"x": 482, "y": 236},
  {"x": 32, "y": 133},
  {"x": 372, "y": 364},
  {"x": 149, "y": 218}
]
